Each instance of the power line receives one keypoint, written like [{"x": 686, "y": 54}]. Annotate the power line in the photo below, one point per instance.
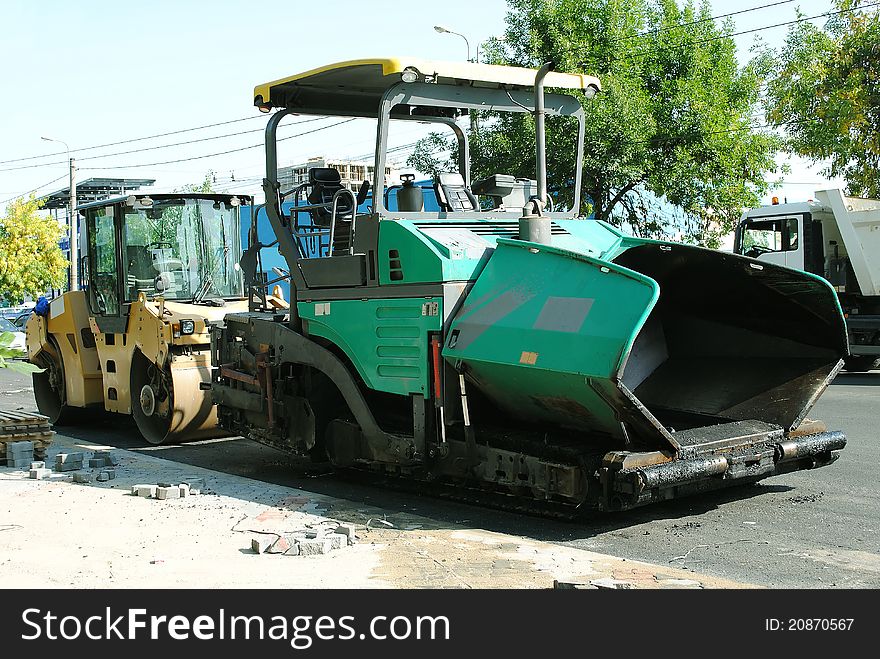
[
  {"x": 220, "y": 153},
  {"x": 23, "y": 194},
  {"x": 752, "y": 30},
  {"x": 646, "y": 33},
  {"x": 161, "y": 146},
  {"x": 135, "y": 139}
]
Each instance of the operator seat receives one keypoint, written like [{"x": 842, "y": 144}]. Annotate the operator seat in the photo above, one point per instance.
[
  {"x": 141, "y": 275},
  {"x": 453, "y": 195},
  {"x": 324, "y": 183}
]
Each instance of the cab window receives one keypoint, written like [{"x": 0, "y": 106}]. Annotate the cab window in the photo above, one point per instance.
[
  {"x": 104, "y": 280},
  {"x": 763, "y": 236}
]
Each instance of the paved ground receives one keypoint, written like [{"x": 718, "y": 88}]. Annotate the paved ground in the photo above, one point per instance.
[{"x": 816, "y": 529}]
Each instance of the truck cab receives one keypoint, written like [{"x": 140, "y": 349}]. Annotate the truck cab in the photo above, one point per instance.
[{"x": 836, "y": 237}]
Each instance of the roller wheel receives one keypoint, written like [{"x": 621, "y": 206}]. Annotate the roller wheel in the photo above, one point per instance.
[
  {"x": 50, "y": 391},
  {"x": 859, "y": 363},
  {"x": 152, "y": 400}
]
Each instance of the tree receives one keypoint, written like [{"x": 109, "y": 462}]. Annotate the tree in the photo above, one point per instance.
[
  {"x": 205, "y": 187},
  {"x": 672, "y": 130},
  {"x": 31, "y": 261},
  {"x": 825, "y": 88}
]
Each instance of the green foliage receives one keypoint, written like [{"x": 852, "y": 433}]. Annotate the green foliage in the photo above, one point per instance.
[
  {"x": 9, "y": 357},
  {"x": 826, "y": 89},
  {"x": 672, "y": 127},
  {"x": 30, "y": 260},
  {"x": 205, "y": 187}
]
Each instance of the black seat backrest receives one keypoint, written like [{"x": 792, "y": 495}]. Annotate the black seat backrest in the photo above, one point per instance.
[
  {"x": 140, "y": 265},
  {"x": 453, "y": 195},
  {"x": 324, "y": 183}
]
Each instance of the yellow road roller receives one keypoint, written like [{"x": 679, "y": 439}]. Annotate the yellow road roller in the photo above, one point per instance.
[{"x": 157, "y": 272}]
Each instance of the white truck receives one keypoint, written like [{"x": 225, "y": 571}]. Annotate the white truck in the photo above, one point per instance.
[{"x": 836, "y": 237}]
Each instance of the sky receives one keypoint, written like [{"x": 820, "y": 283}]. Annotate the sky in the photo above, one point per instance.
[{"x": 97, "y": 72}]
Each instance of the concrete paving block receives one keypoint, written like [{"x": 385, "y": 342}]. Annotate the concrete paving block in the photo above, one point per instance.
[
  {"x": 611, "y": 584},
  {"x": 82, "y": 478},
  {"x": 23, "y": 463},
  {"x": 261, "y": 543},
  {"x": 337, "y": 540},
  {"x": 63, "y": 458},
  {"x": 194, "y": 482},
  {"x": 184, "y": 490},
  {"x": 19, "y": 446},
  {"x": 106, "y": 475},
  {"x": 106, "y": 456},
  {"x": 163, "y": 492},
  {"x": 38, "y": 465},
  {"x": 68, "y": 466},
  {"x": 293, "y": 551},
  {"x": 40, "y": 473},
  {"x": 314, "y": 547},
  {"x": 146, "y": 491},
  {"x": 97, "y": 463},
  {"x": 280, "y": 546},
  {"x": 348, "y": 531}
]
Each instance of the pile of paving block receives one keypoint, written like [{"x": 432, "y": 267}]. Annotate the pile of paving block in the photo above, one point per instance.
[
  {"x": 307, "y": 542},
  {"x": 24, "y": 428},
  {"x": 189, "y": 486},
  {"x": 103, "y": 460}
]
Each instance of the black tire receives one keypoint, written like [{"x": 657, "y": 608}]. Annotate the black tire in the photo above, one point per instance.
[
  {"x": 51, "y": 395},
  {"x": 859, "y": 363}
]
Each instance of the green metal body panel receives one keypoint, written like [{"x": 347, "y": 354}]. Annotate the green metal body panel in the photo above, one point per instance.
[
  {"x": 423, "y": 259},
  {"x": 385, "y": 339},
  {"x": 543, "y": 326}
]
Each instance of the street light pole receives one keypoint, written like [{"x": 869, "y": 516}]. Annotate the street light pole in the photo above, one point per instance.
[
  {"x": 72, "y": 219},
  {"x": 440, "y": 29}
]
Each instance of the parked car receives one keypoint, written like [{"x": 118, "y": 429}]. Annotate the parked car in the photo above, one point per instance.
[
  {"x": 21, "y": 319},
  {"x": 18, "y": 341}
]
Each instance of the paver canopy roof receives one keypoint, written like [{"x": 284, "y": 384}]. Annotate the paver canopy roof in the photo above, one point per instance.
[{"x": 358, "y": 85}]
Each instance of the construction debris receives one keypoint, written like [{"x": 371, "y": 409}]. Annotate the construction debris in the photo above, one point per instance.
[
  {"x": 261, "y": 543},
  {"x": 82, "y": 478},
  {"x": 40, "y": 473},
  {"x": 304, "y": 542},
  {"x": 162, "y": 491}
]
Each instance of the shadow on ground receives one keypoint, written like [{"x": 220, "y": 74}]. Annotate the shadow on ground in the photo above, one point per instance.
[{"x": 242, "y": 457}]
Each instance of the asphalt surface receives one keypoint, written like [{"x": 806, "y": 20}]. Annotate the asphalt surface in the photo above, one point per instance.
[{"x": 811, "y": 529}]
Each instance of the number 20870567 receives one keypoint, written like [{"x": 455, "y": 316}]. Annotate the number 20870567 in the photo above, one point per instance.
[{"x": 808, "y": 624}]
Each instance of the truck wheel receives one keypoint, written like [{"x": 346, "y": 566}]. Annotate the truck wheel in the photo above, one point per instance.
[
  {"x": 51, "y": 394},
  {"x": 859, "y": 363}
]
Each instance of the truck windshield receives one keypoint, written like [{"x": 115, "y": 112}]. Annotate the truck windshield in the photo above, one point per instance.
[
  {"x": 183, "y": 249},
  {"x": 777, "y": 235}
]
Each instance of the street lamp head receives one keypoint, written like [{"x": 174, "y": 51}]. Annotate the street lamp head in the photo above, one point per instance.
[{"x": 440, "y": 29}]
